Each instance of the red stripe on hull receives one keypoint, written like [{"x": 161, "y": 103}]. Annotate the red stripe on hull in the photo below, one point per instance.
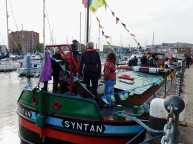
[{"x": 69, "y": 137}]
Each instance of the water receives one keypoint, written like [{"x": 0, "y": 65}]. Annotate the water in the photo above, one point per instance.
[{"x": 11, "y": 87}]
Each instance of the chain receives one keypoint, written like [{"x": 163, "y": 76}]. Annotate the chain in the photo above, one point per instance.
[{"x": 168, "y": 128}]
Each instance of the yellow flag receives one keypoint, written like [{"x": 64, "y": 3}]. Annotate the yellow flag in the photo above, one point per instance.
[
  {"x": 127, "y": 30},
  {"x": 100, "y": 26},
  {"x": 161, "y": 67},
  {"x": 168, "y": 78},
  {"x": 95, "y": 4}
]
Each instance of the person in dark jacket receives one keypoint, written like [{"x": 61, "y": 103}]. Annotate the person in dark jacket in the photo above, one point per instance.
[
  {"x": 74, "y": 47},
  {"x": 144, "y": 61},
  {"x": 90, "y": 67},
  {"x": 135, "y": 61},
  {"x": 56, "y": 68}
]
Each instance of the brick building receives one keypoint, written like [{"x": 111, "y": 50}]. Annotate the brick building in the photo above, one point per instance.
[
  {"x": 182, "y": 50},
  {"x": 29, "y": 40}
]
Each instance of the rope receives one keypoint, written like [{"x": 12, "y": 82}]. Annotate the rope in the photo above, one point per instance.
[
  {"x": 136, "y": 136},
  {"x": 150, "y": 130}
]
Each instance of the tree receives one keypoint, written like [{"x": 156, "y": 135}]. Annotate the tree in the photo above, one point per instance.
[
  {"x": 40, "y": 47},
  {"x": 18, "y": 48}
]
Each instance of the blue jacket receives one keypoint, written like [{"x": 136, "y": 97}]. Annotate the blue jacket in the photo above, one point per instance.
[{"x": 74, "y": 51}]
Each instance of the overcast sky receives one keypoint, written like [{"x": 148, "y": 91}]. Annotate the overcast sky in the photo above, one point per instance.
[{"x": 171, "y": 20}]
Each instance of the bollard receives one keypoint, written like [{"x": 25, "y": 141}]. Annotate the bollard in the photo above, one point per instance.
[
  {"x": 176, "y": 105},
  {"x": 28, "y": 65}
]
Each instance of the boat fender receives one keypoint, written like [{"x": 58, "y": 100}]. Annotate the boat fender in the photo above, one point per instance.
[
  {"x": 56, "y": 105},
  {"x": 40, "y": 120},
  {"x": 100, "y": 89},
  {"x": 158, "y": 113},
  {"x": 35, "y": 100}
]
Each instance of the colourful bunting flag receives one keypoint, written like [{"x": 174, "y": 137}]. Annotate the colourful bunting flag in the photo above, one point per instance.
[
  {"x": 113, "y": 14},
  {"x": 124, "y": 25},
  {"x": 113, "y": 97},
  {"x": 132, "y": 35},
  {"x": 106, "y": 36},
  {"x": 109, "y": 44},
  {"x": 126, "y": 94},
  {"x": 95, "y": 4},
  {"x": 168, "y": 78},
  {"x": 84, "y": 2},
  {"x": 105, "y": 99},
  {"x": 98, "y": 20},
  {"x": 140, "y": 47},
  {"x": 117, "y": 20},
  {"x": 127, "y": 30},
  {"x": 121, "y": 96},
  {"x": 103, "y": 33},
  {"x": 100, "y": 26}
]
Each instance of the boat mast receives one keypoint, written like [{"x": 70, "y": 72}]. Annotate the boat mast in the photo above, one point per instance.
[
  {"x": 152, "y": 48},
  {"x": 87, "y": 26},
  {"x": 7, "y": 16},
  {"x": 44, "y": 16}
]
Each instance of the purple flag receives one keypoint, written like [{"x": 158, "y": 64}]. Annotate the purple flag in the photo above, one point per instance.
[{"x": 47, "y": 71}]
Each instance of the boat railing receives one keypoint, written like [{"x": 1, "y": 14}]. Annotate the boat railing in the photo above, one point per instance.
[{"x": 70, "y": 49}]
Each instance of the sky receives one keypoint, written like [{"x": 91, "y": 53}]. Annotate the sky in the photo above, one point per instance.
[{"x": 170, "y": 20}]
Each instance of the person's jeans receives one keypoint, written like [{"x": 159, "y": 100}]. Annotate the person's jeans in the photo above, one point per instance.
[{"x": 109, "y": 90}]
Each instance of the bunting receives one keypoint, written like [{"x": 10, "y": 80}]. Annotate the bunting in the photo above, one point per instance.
[
  {"x": 103, "y": 33},
  {"x": 124, "y": 25},
  {"x": 98, "y": 20},
  {"x": 132, "y": 35},
  {"x": 106, "y": 36},
  {"x": 113, "y": 14},
  {"x": 100, "y": 26},
  {"x": 117, "y": 20},
  {"x": 95, "y": 4}
]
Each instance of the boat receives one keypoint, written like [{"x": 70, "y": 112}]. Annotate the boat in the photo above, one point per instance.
[
  {"x": 69, "y": 118},
  {"x": 35, "y": 61},
  {"x": 8, "y": 65}
]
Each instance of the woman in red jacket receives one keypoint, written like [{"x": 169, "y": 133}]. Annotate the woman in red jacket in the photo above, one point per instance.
[{"x": 110, "y": 78}]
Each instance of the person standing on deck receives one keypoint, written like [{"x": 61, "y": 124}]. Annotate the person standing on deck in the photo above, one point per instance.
[
  {"x": 135, "y": 61},
  {"x": 90, "y": 68},
  {"x": 56, "y": 69},
  {"x": 74, "y": 47},
  {"x": 110, "y": 78}
]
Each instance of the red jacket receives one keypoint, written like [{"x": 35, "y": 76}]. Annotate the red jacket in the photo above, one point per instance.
[{"x": 109, "y": 70}]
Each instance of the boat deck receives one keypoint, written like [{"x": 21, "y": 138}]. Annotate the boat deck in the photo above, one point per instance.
[{"x": 142, "y": 81}]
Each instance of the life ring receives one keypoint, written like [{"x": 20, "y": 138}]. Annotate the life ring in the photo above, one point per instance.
[
  {"x": 56, "y": 105},
  {"x": 35, "y": 100},
  {"x": 127, "y": 77}
]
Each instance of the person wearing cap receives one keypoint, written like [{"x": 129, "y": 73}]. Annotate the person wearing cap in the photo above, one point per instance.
[
  {"x": 90, "y": 67},
  {"x": 74, "y": 47}
]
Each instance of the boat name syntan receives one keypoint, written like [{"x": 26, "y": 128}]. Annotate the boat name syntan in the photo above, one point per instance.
[{"x": 83, "y": 126}]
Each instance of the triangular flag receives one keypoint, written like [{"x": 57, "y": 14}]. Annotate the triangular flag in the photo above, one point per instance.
[
  {"x": 140, "y": 47},
  {"x": 105, "y": 99},
  {"x": 106, "y": 36},
  {"x": 109, "y": 51},
  {"x": 98, "y": 20},
  {"x": 132, "y": 35},
  {"x": 124, "y": 25},
  {"x": 168, "y": 78},
  {"x": 100, "y": 26},
  {"x": 113, "y": 97},
  {"x": 84, "y": 2},
  {"x": 117, "y": 19},
  {"x": 126, "y": 94},
  {"x": 95, "y": 4},
  {"x": 109, "y": 44},
  {"x": 113, "y": 14},
  {"x": 103, "y": 33},
  {"x": 127, "y": 30},
  {"x": 121, "y": 96},
  {"x": 138, "y": 44}
]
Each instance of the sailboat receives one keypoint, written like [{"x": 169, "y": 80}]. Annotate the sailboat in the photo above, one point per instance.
[
  {"x": 6, "y": 63},
  {"x": 53, "y": 118}
]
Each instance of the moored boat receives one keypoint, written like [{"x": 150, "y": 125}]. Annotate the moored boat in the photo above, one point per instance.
[{"x": 46, "y": 117}]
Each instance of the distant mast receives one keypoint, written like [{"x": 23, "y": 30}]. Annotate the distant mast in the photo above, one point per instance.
[
  {"x": 87, "y": 25},
  {"x": 7, "y": 16},
  {"x": 152, "y": 47},
  {"x": 44, "y": 16}
]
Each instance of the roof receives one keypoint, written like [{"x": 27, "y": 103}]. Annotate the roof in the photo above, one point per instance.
[{"x": 139, "y": 78}]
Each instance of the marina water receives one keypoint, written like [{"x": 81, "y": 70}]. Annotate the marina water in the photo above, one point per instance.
[{"x": 11, "y": 87}]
